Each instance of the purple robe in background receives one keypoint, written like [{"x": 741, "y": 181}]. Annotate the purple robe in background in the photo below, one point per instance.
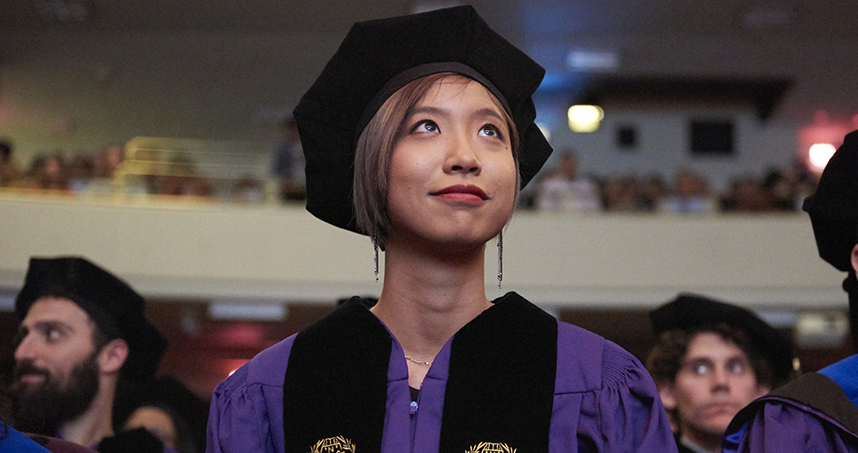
[
  {"x": 816, "y": 413},
  {"x": 604, "y": 401}
]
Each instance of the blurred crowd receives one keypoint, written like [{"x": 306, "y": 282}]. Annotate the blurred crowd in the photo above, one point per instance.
[
  {"x": 564, "y": 188},
  {"x": 54, "y": 171},
  {"x": 101, "y": 172},
  {"x": 561, "y": 188}
]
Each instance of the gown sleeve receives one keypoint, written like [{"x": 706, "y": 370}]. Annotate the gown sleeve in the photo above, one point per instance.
[
  {"x": 236, "y": 422},
  {"x": 246, "y": 412},
  {"x": 786, "y": 428},
  {"x": 630, "y": 416}
]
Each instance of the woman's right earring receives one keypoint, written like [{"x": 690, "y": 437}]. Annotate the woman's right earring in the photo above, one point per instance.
[{"x": 375, "y": 249}]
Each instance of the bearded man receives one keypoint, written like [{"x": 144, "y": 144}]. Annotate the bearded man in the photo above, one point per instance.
[{"x": 83, "y": 333}]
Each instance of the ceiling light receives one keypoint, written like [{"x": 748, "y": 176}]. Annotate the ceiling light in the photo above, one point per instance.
[
  {"x": 585, "y": 118},
  {"x": 62, "y": 10},
  {"x": 590, "y": 60}
]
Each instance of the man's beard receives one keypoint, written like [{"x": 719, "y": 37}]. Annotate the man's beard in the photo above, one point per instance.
[{"x": 42, "y": 409}]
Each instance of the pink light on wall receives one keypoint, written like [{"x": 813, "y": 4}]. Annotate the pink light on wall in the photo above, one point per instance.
[
  {"x": 817, "y": 141},
  {"x": 819, "y": 154}
]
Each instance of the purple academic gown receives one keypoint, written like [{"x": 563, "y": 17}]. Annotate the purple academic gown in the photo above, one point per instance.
[
  {"x": 603, "y": 398},
  {"x": 786, "y": 425}
]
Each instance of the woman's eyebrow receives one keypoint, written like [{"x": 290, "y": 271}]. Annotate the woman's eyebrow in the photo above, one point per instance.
[
  {"x": 488, "y": 112},
  {"x": 426, "y": 109}
]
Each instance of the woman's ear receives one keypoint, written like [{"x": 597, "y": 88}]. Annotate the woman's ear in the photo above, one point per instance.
[
  {"x": 113, "y": 356},
  {"x": 855, "y": 258}
]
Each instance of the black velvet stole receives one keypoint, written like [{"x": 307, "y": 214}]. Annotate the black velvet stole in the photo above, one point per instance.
[
  {"x": 813, "y": 390},
  {"x": 500, "y": 388},
  {"x": 335, "y": 387}
]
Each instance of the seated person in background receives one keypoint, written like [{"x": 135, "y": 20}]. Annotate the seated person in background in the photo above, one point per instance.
[
  {"x": 287, "y": 163},
  {"x": 8, "y": 169},
  {"x": 82, "y": 332},
  {"x": 564, "y": 190},
  {"x": 690, "y": 195},
  {"x": 167, "y": 409},
  {"x": 817, "y": 412},
  {"x": 712, "y": 359}
]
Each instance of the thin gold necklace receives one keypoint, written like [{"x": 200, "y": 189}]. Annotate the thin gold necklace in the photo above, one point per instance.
[{"x": 419, "y": 362}]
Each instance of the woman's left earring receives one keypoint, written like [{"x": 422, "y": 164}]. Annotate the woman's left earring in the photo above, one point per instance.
[{"x": 500, "y": 259}]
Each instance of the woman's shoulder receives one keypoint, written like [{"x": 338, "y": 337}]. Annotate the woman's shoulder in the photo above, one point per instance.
[
  {"x": 589, "y": 362},
  {"x": 265, "y": 369}
]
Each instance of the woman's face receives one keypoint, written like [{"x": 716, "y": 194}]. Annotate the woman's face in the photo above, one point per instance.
[{"x": 452, "y": 173}]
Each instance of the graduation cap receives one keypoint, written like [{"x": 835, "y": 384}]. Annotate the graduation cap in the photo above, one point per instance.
[
  {"x": 690, "y": 311},
  {"x": 833, "y": 209},
  {"x": 111, "y": 303},
  {"x": 378, "y": 57}
]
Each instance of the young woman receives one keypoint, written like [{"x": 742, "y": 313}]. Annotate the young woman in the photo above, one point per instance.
[{"x": 419, "y": 133}]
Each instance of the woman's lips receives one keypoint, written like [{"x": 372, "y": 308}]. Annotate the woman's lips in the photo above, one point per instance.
[{"x": 462, "y": 192}]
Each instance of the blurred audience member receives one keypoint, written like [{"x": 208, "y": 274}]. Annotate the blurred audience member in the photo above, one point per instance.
[
  {"x": 83, "y": 332},
  {"x": 247, "y": 190},
  {"x": 690, "y": 195},
  {"x": 748, "y": 195},
  {"x": 100, "y": 169},
  {"x": 5, "y": 152},
  {"x": 619, "y": 193},
  {"x": 710, "y": 360},
  {"x": 199, "y": 187},
  {"x": 169, "y": 410},
  {"x": 650, "y": 194},
  {"x": 8, "y": 168},
  {"x": 79, "y": 171},
  {"x": 114, "y": 155},
  {"x": 47, "y": 173},
  {"x": 107, "y": 161},
  {"x": 182, "y": 179},
  {"x": 566, "y": 190},
  {"x": 287, "y": 163}
]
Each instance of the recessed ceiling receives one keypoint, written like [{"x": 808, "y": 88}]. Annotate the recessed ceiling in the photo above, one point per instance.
[{"x": 802, "y": 18}]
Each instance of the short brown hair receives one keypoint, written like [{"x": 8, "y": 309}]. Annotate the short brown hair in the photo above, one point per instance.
[
  {"x": 375, "y": 148},
  {"x": 665, "y": 358}
]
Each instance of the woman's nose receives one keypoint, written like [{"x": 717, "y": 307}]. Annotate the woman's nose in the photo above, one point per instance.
[{"x": 462, "y": 157}]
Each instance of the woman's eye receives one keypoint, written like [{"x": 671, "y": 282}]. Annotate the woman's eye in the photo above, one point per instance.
[
  {"x": 490, "y": 130},
  {"x": 425, "y": 126},
  {"x": 735, "y": 368}
]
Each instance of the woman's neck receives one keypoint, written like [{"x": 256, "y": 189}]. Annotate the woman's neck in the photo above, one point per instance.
[{"x": 428, "y": 296}]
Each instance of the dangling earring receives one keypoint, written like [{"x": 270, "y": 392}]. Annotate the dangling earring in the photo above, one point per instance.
[
  {"x": 375, "y": 249},
  {"x": 500, "y": 259}
]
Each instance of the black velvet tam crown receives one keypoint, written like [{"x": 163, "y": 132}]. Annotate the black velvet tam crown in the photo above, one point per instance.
[
  {"x": 833, "y": 208},
  {"x": 690, "y": 311},
  {"x": 377, "y": 58},
  {"x": 112, "y": 304}
]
